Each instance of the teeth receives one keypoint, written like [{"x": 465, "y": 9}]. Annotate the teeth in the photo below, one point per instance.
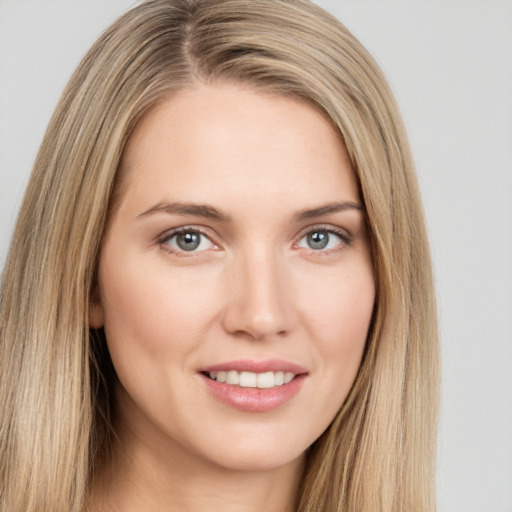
[
  {"x": 232, "y": 377},
  {"x": 253, "y": 380},
  {"x": 248, "y": 380},
  {"x": 266, "y": 380}
]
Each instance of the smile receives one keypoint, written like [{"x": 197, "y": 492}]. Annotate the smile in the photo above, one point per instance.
[
  {"x": 247, "y": 379},
  {"x": 254, "y": 386}
]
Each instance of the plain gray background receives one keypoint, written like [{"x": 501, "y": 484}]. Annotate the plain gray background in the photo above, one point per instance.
[{"x": 450, "y": 65}]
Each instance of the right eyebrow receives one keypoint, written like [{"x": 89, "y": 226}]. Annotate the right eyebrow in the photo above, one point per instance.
[{"x": 192, "y": 209}]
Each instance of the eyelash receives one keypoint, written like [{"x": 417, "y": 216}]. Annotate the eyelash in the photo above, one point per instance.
[
  {"x": 345, "y": 239},
  {"x": 169, "y": 235}
]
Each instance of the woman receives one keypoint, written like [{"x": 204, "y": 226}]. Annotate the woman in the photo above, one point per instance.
[{"x": 218, "y": 293}]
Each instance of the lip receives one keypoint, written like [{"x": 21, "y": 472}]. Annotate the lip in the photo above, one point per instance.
[
  {"x": 249, "y": 365},
  {"x": 255, "y": 399}
]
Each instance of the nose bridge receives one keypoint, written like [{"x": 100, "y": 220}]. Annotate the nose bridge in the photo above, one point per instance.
[{"x": 258, "y": 304}]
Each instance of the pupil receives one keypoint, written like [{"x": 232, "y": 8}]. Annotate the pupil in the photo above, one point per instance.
[
  {"x": 189, "y": 241},
  {"x": 318, "y": 239}
]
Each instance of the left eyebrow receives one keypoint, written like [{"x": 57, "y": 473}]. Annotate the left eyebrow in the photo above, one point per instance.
[{"x": 326, "y": 209}]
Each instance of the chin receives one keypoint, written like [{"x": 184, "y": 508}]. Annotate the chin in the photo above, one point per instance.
[
  {"x": 260, "y": 452},
  {"x": 260, "y": 461}
]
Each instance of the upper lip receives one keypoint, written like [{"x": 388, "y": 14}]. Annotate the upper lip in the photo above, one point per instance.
[{"x": 249, "y": 365}]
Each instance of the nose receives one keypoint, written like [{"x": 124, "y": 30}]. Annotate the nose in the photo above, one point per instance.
[{"x": 258, "y": 304}]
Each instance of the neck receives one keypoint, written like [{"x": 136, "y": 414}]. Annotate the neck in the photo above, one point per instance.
[{"x": 143, "y": 475}]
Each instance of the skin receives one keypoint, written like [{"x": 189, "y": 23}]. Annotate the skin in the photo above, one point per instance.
[{"x": 254, "y": 289}]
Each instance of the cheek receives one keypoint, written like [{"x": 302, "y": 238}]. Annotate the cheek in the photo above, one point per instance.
[
  {"x": 150, "y": 309},
  {"x": 336, "y": 308},
  {"x": 337, "y": 311}
]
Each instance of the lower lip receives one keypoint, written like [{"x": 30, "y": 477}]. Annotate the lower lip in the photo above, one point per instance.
[{"x": 255, "y": 399}]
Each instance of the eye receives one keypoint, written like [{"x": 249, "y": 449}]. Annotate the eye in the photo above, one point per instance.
[
  {"x": 187, "y": 240},
  {"x": 323, "y": 240}
]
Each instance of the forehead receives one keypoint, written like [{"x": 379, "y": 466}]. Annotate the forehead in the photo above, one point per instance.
[{"x": 229, "y": 138}]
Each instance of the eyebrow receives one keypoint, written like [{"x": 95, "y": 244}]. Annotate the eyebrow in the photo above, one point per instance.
[
  {"x": 326, "y": 210},
  {"x": 209, "y": 212},
  {"x": 196, "y": 210}
]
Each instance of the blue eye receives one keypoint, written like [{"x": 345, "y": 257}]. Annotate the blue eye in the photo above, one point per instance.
[
  {"x": 321, "y": 240},
  {"x": 189, "y": 241}
]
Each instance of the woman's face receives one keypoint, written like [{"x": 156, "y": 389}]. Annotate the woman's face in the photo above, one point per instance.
[{"x": 235, "y": 278}]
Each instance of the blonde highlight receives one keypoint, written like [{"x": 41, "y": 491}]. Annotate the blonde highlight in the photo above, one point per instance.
[{"x": 379, "y": 452}]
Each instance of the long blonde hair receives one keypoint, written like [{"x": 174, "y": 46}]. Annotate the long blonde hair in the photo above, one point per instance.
[{"x": 379, "y": 452}]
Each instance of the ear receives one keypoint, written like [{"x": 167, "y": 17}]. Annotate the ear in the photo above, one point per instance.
[
  {"x": 96, "y": 316},
  {"x": 96, "y": 312}
]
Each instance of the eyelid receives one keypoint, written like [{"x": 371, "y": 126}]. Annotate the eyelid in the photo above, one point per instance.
[
  {"x": 167, "y": 235},
  {"x": 343, "y": 234}
]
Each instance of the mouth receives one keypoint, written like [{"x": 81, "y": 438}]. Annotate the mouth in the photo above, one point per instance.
[
  {"x": 254, "y": 386},
  {"x": 246, "y": 379}
]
